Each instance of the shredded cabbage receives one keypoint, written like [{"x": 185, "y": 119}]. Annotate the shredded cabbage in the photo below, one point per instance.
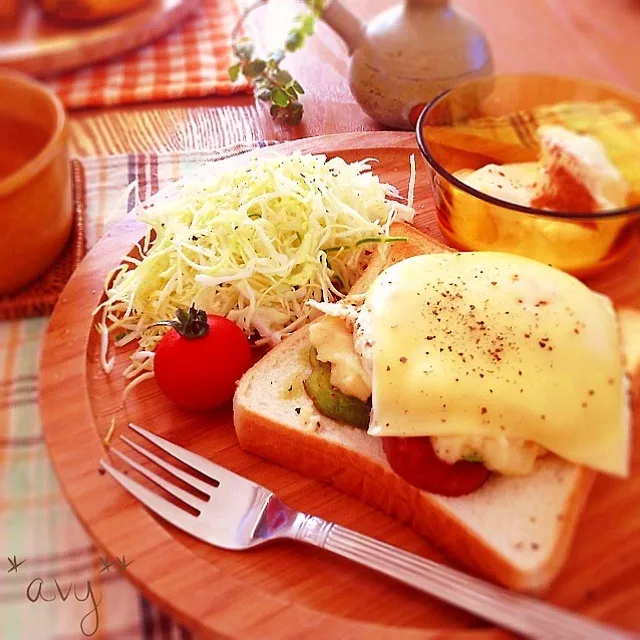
[{"x": 253, "y": 244}]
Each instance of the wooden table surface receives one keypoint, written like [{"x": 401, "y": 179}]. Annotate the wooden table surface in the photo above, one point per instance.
[{"x": 596, "y": 39}]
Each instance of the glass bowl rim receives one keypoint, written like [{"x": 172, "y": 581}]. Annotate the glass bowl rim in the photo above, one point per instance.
[{"x": 633, "y": 210}]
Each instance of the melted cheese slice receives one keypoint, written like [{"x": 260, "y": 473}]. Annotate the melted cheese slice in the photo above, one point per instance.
[{"x": 495, "y": 344}]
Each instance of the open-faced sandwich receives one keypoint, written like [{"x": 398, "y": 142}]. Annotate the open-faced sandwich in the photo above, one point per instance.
[{"x": 470, "y": 395}]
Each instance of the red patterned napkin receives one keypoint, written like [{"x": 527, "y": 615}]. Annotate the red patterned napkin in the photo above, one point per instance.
[{"x": 191, "y": 61}]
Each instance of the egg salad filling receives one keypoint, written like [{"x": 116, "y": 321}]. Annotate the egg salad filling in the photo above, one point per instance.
[{"x": 497, "y": 358}]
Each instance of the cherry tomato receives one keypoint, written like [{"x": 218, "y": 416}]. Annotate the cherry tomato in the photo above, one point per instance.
[
  {"x": 200, "y": 359},
  {"x": 414, "y": 460}
]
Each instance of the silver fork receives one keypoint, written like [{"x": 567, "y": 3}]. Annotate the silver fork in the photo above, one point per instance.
[{"x": 241, "y": 514}]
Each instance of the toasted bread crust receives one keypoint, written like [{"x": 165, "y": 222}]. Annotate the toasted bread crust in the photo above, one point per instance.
[{"x": 310, "y": 453}]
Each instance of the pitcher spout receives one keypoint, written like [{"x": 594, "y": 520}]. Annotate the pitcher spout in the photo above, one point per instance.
[{"x": 350, "y": 28}]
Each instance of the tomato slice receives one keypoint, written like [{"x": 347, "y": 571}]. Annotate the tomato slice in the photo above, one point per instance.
[{"x": 414, "y": 460}]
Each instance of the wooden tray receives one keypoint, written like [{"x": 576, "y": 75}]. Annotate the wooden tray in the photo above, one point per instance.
[
  {"x": 288, "y": 590},
  {"x": 39, "y": 45}
]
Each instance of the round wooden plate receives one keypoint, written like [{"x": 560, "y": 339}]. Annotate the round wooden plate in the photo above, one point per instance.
[
  {"x": 288, "y": 590},
  {"x": 39, "y": 45}
]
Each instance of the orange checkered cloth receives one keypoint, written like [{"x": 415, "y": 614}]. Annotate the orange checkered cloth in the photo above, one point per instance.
[{"x": 191, "y": 61}]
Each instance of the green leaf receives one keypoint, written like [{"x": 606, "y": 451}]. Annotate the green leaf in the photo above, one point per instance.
[
  {"x": 280, "y": 98},
  {"x": 297, "y": 87},
  {"x": 263, "y": 94},
  {"x": 254, "y": 68},
  {"x": 307, "y": 24},
  {"x": 294, "y": 41},
  {"x": 234, "y": 72},
  {"x": 277, "y": 56},
  {"x": 282, "y": 77},
  {"x": 244, "y": 50},
  {"x": 295, "y": 113},
  {"x": 473, "y": 457},
  {"x": 292, "y": 92},
  {"x": 317, "y": 6}
]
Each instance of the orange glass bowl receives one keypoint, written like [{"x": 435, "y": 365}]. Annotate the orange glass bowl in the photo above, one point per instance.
[
  {"x": 493, "y": 120},
  {"x": 35, "y": 188}
]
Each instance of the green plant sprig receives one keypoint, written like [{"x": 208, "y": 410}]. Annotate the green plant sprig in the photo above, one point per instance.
[{"x": 270, "y": 82}]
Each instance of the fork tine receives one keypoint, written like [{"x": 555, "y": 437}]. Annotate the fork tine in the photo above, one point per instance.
[
  {"x": 171, "y": 488},
  {"x": 176, "y": 516},
  {"x": 208, "y": 468},
  {"x": 178, "y": 473}
]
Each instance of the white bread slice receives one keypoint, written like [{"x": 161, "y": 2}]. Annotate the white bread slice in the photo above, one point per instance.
[{"x": 515, "y": 530}]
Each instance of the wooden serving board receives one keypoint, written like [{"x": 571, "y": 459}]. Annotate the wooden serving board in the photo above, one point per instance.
[
  {"x": 40, "y": 45},
  {"x": 288, "y": 590}
]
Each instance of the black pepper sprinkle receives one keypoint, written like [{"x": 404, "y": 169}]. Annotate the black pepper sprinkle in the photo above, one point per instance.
[
  {"x": 483, "y": 410},
  {"x": 388, "y": 368},
  {"x": 591, "y": 392},
  {"x": 101, "y": 471},
  {"x": 535, "y": 546},
  {"x": 403, "y": 359},
  {"x": 298, "y": 409}
]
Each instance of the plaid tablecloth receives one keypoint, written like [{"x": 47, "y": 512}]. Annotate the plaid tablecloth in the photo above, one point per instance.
[
  {"x": 191, "y": 61},
  {"x": 37, "y": 526}
]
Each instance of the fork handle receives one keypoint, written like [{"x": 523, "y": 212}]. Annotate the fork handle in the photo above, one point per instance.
[{"x": 521, "y": 614}]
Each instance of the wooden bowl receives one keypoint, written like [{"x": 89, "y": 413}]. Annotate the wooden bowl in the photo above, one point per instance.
[{"x": 35, "y": 186}]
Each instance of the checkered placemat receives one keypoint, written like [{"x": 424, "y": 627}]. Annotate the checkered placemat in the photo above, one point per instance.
[
  {"x": 62, "y": 590},
  {"x": 191, "y": 61}
]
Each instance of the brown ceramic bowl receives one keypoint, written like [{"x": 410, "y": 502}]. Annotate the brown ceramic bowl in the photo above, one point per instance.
[{"x": 35, "y": 188}]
